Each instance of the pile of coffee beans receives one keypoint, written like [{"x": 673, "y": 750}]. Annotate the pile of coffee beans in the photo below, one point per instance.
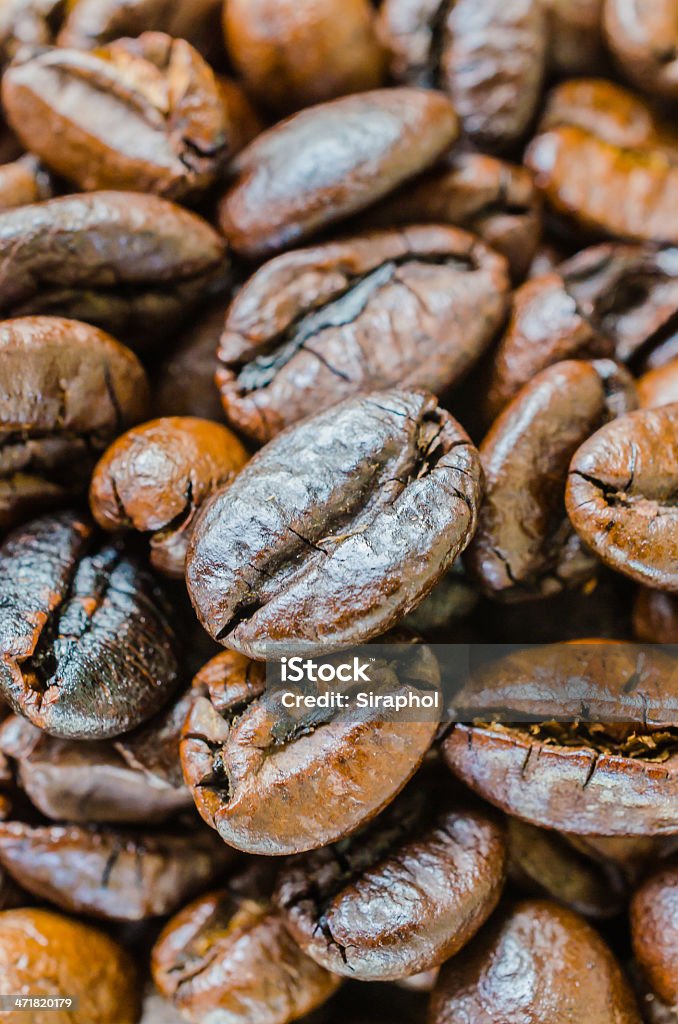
[{"x": 329, "y": 323}]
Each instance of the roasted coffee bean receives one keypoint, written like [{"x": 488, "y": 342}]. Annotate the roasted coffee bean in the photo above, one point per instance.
[
  {"x": 659, "y": 386},
  {"x": 254, "y": 765},
  {"x": 639, "y": 198},
  {"x": 610, "y": 112},
  {"x": 609, "y": 300},
  {"x": 574, "y": 35},
  {"x": 318, "y": 51},
  {"x": 654, "y": 931},
  {"x": 491, "y": 198},
  {"x": 87, "y": 651},
  {"x": 524, "y": 545},
  {"x": 360, "y": 510},
  {"x": 133, "y": 264},
  {"x": 614, "y": 774},
  {"x": 401, "y": 896},
  {"x": 153, "y": 748},
  {"x": 487, "y": 55},
  {"x": 155, "y": 477},
  {"x": 114, "y": 874},
  {"x": 452, "y": 599},
  {"x": 228, "y": 956},
  {"x": 629, "y": 856},
  {"x": 183, "y": 384},
  {"x": 144, "y": 114},
  {"x": 27, "y": 23},
  {"x": 544, "y": 863},
  {"x": 80, "y": 781},
  {"x": 22, "y": 182},
  {"x": 91, "y": 23},
  {"x": 621, "y": 495},
  {"x": 655, "y": 617},
  {"x": 49, "y": 955},
  {"x": 67, "y": 390},
  {"x": 413, "y": 308},
  {"x": 643, "y": 36},
  {"x": 536, "y": 962},
  {"x": 359, "y": 148}
]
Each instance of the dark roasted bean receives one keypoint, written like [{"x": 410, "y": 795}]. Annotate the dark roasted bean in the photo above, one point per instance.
[
  {"x": 360, "y": 147},
  {"x": 413, "y": 308},
  {"x": 253, "y": 765},
  {"x": 654, "y": 931},
  {"x": 155, "y": 477},
  {"x": 144, "y": 114},
  {"x": 360, "y": 511},
  {"x": 86, "y": 648},
  {"x": 643, "y": 36},
  {"x": 401, "y": 896},
  {"x": 621, "y": 495}
]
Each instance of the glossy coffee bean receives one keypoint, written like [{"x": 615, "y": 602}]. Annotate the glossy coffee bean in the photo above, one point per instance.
[
  {"x": 413, "y": 308},
  {"x": 654, "y": 931},
  {"x": 488, "y": 56},
  {"x": 614, "y": 774},
  {"x": 621, "y": 494},
  {"x": 643, "y": 37},
  {"x": 67, "y": 390},
  {"x": 253, "y": 765},
  {"x": 87, "y": 649},
  {"x": 133, "y": 264},
  {"x": 491, "y": 198},
  {"x": 659, "y": 386},
  {"x": 228, "y": 956},
  {"x": 360, "y": 148},
  {"x": 655, "y": 617},
  {"x": 51, "y": 955},
  {"x": 402, "y": 895},
  {"x": 113, "y": 874},
  {"x": 92, "y": 23},
  {"x": 155, "y": 477},
  {"x": 318, "y": 51},
  {"x": 523, "y": 967},
  {"x": 524, "y": 545},
  {"x": 84, "y": 781},
  {"x": 361, "y": 510},
  {"x": 608, "y": 300},
  {"x": 142, "y": 114}
]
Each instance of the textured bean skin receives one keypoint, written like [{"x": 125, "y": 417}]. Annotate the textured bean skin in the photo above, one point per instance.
[
  {"x": 319, "y": 52},
  {"x": 67, "y": 390},
  {"x": 413, "y": 308},
  {"x": 229, "y": 955},
  {"x": 386, "y": 482},
  {"x": 654, "y": 933},
  {"x": 82, "y": 781},
  {"x": 253, "y": 766},
  {"x": 155, "y": 477},
  {"x": 44, "y": 953},
  {"x": 522, "y": 967},
  {"x": 524, "y": 544},
  {"x": 91, "y": 23},
  {"x": 399, "y": 897},
  {"x": 598, "y": 782},
  {"x": 133, "y": 264},
  {"x": 142, "y": 114},
  {"x": 643, "y": 36},
  {"x": 491, "y": 198},
  {"x": 621, "y": 495},
  {"x": 488, "y": 56},
  {"x": 608, "y": 300},
  {"x": 629, "y": 194},
  {"x": 112, "y": 874},
  {"x": 87, "y": 649},
  {"x": 359, "y": 147}
]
